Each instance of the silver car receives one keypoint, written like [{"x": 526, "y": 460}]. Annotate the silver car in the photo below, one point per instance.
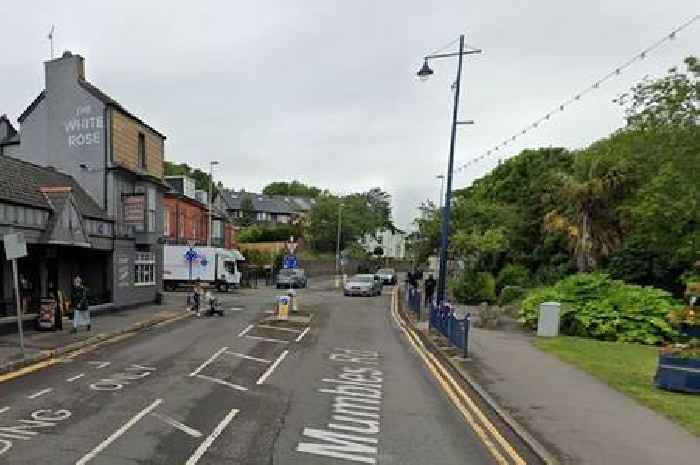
[
  {"x": 388, "y": 275},
  {"x": 363, "y": 284},
  {"x": 291, "y": 278}
]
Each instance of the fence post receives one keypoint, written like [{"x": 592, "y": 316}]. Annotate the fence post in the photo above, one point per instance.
[{"x": 467, "y": 326}]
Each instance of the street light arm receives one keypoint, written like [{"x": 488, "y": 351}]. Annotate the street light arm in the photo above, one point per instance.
[{"x": 454, "y": 54}]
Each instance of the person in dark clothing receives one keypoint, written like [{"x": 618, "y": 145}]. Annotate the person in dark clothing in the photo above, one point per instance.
[
  {"x": 430, "y": 284},
  {"x": 79, "y": 301}
]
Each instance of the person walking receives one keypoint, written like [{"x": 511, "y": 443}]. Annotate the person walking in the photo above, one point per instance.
[
  {"x": 79, "y": 301},
  {"x": 430, "y": 285}
]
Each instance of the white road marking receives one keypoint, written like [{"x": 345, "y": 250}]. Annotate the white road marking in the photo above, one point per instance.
[
  {"x": 100, "y": 365},
  {"x": 211, "y": 359},
  {"x": 221, "y": 381},
  {"x": 301, "y": 336},
  {"x": 40, "y": 393},
  {"x": 211, "y": 438},
  {"x": 269, "y": 371},
  {"x": 267, "y": 339},
  {"x": 124, "y": 428},
  {"x": 280, "y": 329},
  {"x": 261, "y": 360},
  {"x": 176, "y": 424},
  {"x": 73, "y": 378},
  {"x": 4, "y": 409},
  {"x": 236, "y": 309},
  {"x": 245, "y": 331}
]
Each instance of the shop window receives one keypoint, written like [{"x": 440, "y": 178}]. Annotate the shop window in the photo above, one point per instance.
[
  {"x": 145, "y": 269},
  {"x": 142, "y": 151}
]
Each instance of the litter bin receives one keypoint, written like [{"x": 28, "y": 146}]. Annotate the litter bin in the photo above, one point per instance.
[{"x": 548, "y": 322}]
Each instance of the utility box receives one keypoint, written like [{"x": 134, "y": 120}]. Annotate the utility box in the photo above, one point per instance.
[{"x": 548, "y": 323}]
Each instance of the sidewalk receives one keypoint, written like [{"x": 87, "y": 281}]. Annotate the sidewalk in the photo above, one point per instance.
[
  {"x": 40, "y": 345},
  {"x": 578, "y": 417}
]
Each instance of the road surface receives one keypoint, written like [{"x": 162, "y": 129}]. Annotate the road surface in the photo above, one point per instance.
[{"x": 344, "y": 388}]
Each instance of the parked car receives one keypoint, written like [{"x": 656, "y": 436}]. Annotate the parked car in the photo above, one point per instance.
[
  {"x": 363, "y": 284},
  {"x": 291, "y": 278},
  {"x": 388, "y": 275}
]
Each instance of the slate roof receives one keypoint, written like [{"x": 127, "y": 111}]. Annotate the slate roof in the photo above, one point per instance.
[
  {"x": 21, "y": 183},
  {"x": 298, "y": 204},
  {"x": 12, "y": 136},
  {"x": 98, "y": 94},
  {"x": 261, "y": 203}
]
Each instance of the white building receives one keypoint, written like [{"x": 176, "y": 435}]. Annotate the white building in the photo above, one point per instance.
[{"x": 392, "y": 243}]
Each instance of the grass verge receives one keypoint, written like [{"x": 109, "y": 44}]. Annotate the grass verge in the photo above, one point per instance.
[{"x": 630, "y": 369}]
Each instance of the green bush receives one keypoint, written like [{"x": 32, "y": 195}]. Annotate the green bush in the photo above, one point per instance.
[
  {"x": 473, "y": 288},
  {"x": 260, "y": 233},
  {"x": 513, "y": 275},
  {"x": 511, "y": 294},
  {"x": 594, "y": 305}
]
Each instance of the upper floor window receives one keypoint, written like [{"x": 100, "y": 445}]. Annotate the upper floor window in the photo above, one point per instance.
[{"x": 142, "y": 151}]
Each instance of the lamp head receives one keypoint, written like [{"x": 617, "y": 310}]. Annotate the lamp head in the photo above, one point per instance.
[{"x": 425, "y": 72}]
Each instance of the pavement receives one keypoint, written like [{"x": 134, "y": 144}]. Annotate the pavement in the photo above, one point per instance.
[
  {"x": 342, "y": 387},
  {"x": 578, "y": 417},
  {"x": 44, "y": 344}
]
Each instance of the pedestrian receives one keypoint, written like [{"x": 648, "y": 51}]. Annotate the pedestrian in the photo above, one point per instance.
[
  {"x": 412, "y": 280},
  {"x": 197, "y": 295},
  {"x": 430, "y": 284},
  {"x": 79, "y": 301}
]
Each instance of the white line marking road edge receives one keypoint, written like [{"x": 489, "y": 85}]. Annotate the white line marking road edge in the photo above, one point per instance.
[
  {"x": 248, "y": 357},
  {"x": 99, "y": 365},
  {"x": 124, "y": 428},
  {"x": 301, "y": 336},
  {"x": 73, "y": 378},
  {"x": 211, "y": 359},
  {"x": 221, "y": 381},
  {"x": 40, "y": 393},
  {"x": 267, "y": 339},
  {"x": 211, "y": 438},
  {"x": 176, "y": 424},
  {"x": 4, "y": 409},
  {"x": 245, "y": 331},
  {"x": 292, "y": 330},
  {"x": 269, "y": 371}
]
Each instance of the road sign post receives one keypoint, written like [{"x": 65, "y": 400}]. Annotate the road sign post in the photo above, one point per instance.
[{"x": 16, "y": 247}]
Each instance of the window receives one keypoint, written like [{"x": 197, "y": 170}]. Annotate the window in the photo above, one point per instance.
[
  {"x": 142, "y": 151},
  {"x": 166, "y": 222},
  {"x": 145, "y": 269}
]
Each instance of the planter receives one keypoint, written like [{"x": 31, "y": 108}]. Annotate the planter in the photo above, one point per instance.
[
  {"x": 678, "y": 374},
  {"x": 690, "y": 331}
]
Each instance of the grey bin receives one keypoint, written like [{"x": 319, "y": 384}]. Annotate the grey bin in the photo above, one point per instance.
[{"x": 548, "y": 323}]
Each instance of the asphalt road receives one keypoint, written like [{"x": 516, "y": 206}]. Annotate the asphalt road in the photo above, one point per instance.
[{"x": 228, "y": 390}]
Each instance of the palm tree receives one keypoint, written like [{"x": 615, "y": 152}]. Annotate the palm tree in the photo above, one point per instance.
[{"x": 588, "y": 215}]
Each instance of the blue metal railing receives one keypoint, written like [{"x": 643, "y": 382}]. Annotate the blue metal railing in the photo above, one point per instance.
[
  {"x": 413, "y": 299},
  {"x": 456, "y": 330}
]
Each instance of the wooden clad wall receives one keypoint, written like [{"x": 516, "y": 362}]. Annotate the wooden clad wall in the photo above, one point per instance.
[{"x": 125, "y": 140}]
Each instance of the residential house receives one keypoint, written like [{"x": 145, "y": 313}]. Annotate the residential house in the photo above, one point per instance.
[
  {"x": 117, "y": 160},
  {"x": 186, "y": 219},
  {"x": 301, "y": 207},
  {"x": 393, "y": 243},
  {"x": 268, "y": 209}
]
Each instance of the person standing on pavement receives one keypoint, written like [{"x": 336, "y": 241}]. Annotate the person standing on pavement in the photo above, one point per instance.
[
  {"x": 79, "y": 301},
  {"x": 429, "y": 285}
]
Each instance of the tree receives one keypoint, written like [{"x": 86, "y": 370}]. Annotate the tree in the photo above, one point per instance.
[
  {"x": 201, "y": 179},
  {"x": 247, "y": 211},
  {"x": 378, "y": 251},
  {"x": 294, "y": 189}
]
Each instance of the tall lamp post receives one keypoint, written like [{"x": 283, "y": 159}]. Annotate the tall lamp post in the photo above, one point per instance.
[
  {"x": 337, "y": 242},
  {"x": 209, "y": 200},
  {"x": 441, "y": 177},
  {"x": 424, "y": 73}
]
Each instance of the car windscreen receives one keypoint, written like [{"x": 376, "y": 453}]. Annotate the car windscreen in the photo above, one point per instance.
[
  {"x": 363, "y": 278},
  {"x": 385, "y": 271}
]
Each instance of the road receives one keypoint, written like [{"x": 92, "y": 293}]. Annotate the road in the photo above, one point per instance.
[{"x": 349, "y": 389}]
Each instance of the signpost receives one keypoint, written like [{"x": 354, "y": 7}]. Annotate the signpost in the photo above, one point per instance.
[{"x": 16, "y": 247}]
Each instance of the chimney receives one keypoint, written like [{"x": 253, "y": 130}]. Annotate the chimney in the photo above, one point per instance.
[{"x": 68, "y": 68}]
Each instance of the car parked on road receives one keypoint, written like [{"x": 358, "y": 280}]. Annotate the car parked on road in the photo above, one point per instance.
[
  {"x": 363, "y": 284},
  {"x": 291, "y": 278},
  {"x": 388, "y": 275}
]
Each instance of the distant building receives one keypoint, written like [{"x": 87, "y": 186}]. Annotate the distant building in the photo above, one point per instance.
[
  {"x": 268, "y": 209},
  {"x": 186, "y": 220},
  {"x": 393, "y": 243}
]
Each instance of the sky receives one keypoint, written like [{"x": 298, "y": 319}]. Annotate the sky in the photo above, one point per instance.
[{"x": 324, "y": 91}]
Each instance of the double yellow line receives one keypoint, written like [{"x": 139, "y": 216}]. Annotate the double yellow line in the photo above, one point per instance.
[{"x": 498, "y": 446}]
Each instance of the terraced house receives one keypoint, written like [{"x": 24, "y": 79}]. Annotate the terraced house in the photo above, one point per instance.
[{"x": 115, "y": 158}]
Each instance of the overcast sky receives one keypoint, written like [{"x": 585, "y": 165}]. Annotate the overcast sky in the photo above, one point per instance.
[{"x": 325, "y": 92}]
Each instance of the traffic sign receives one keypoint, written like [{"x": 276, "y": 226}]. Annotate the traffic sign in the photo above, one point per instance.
[{"x": 290, "y": 261}]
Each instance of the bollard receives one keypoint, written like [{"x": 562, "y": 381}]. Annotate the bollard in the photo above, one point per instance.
[
  {"x": 467, "y": 327},
  {"x": 282, "y": 307}
]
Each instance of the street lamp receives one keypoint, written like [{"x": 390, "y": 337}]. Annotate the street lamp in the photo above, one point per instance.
[
  {"x": 424, "y": 73},
  {"x": 209, "y": 200},
  {"x": 337, "y": 242}
]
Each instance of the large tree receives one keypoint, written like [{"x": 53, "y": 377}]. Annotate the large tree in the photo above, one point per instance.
[{"x": 294, "y": 188}]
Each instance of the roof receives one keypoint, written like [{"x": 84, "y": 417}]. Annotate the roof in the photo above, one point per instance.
[
  {"x": 21, "y": 183},
  {"x": 12, "y": 137},
  {"x": 261, "y": 203},
  {"x": 299, "y": 204},
  {"x": 99, "y": 95}
]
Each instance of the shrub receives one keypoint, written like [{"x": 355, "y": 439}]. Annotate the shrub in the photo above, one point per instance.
[
  {"x": 473, "y": 288},
  {"x": 594, "y": 305},
  {"x": 259, "y": 233},
  {"x": 511, "y": 294},
  {"x": 513, "y": 275}
]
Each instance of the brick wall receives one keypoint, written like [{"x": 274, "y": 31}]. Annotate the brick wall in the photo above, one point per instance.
[{"x": 187, "y": 221}]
